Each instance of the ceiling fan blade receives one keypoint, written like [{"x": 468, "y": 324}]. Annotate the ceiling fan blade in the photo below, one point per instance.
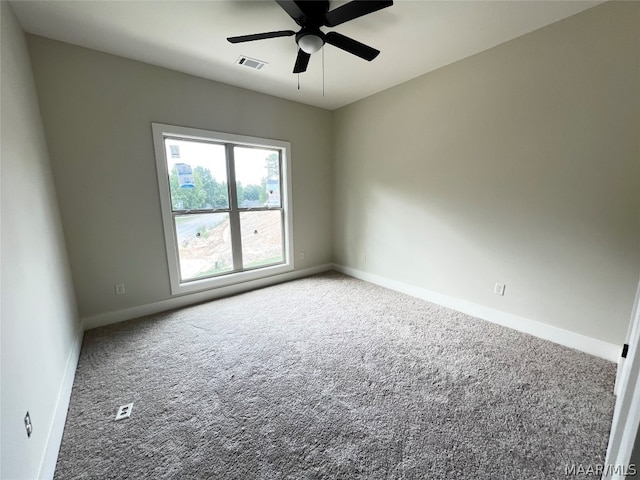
[
  {"x": 261, "y": 36},
  {"x": 292, "y": 9},
  {"x": 354, "y": 9},
  {"x": 302, "y": 61},
  {"x": 352, "y": 46},
  {"x": 304, "y": 10}
]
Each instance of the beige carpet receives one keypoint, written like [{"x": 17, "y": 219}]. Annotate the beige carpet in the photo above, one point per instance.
[{"x": 330, "y": 377}]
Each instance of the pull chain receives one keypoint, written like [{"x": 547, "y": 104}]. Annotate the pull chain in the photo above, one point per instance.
[
  {"x": 323, "y": 72},
  {"x": 297, "y": 53}
]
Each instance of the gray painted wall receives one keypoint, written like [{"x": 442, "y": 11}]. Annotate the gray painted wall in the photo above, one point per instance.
[
  {"x": 97, "y": 111},
  {"x": 39, "y": 323},
  {"x": 518, "y": 165}
]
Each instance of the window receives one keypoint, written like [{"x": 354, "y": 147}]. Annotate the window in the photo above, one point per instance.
[{"x": 226, "y": 206}]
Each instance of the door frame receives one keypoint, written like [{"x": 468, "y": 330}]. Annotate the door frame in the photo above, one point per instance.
[{"x": 626, "y": 415}]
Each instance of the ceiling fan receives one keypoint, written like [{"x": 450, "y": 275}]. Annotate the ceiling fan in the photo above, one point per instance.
[{"x": 310, "y": 15}]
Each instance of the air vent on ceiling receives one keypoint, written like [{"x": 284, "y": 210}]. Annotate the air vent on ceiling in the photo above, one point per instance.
[{"x": 250, "y": 63}]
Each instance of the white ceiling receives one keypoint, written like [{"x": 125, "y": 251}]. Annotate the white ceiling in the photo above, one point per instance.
[{"x": 415, "y": 37}]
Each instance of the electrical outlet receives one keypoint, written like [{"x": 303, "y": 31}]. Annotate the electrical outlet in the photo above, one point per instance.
[
  {"x": 119, "y": 288},
  {"x": 301, "y": 255},
  {"x": 363, "y": 257},
  {"x": 499, "y": 289},
  {"x": 124, "y": 411},
  {"x": 28, "y": 425}
]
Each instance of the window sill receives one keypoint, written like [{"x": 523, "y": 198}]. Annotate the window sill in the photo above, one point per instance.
[{"x": 229, "y": 279}]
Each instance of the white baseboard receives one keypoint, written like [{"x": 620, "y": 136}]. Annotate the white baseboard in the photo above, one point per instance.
[
  {"x": 56, "y": 429},
  {"x": 593, "y": 346},
  {"x": 108, "y": 318}
]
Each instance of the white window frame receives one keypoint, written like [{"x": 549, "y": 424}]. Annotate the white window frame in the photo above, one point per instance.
[{"x": 179, "y": 287}]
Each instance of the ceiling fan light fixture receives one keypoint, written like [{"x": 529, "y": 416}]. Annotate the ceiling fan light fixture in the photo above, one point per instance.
[{"x": 310, "y": 43}]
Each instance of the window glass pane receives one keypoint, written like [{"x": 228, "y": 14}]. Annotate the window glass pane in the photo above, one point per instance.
[
  {"x": 197, "y": 174},
  {"x": 257, "y": 177},
  {"x": 261, "y": 238},
  {"x": 204, "y": 244}
]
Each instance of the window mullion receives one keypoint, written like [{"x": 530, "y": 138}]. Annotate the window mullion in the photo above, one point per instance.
[
  {"x": 175, "y": 239},
  {"x": 234, "y": 214}
]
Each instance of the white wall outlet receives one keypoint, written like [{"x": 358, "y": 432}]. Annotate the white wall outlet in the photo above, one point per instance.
[
  {"x": 124, "y": 411},
  {"x": 301, "y": 255},
  {"x": 499, "y": 289},
  {"x": 363, "y": 257},
  {"x": 119, "y": 288}
]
